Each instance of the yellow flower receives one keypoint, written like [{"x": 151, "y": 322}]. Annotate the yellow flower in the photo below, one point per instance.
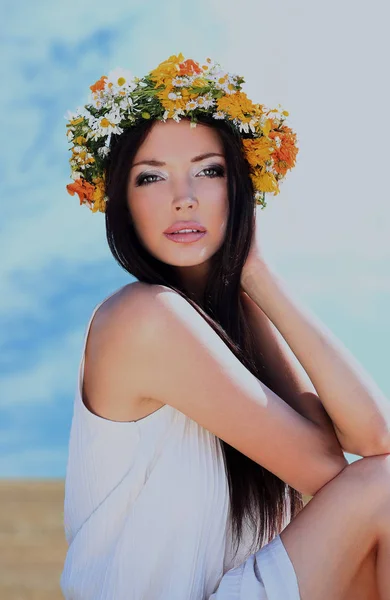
[
  {"x": 99, "y": 203},
  {"x": 236, "y": 105},
  {"x": 269, "y": 124},
  {"x": 166, "y": 70},
  {"x": 173, "y": 105},
  {"x": 265, "y": 182},
  {"x": 80, "y": 140},
  {"x": 257, "y": 150},
  {"x": 75, "y": 121},
  {"x": 82, "y": 157},
  {"x": 200, "y": 82},
  {"x": 164, "y": 93}
]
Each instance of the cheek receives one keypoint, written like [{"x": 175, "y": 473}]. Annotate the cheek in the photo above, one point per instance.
[
  {"x": 219, "y": 207},
  {"x": 212, "y": 193},
  {"x": 147, "y": 212}
]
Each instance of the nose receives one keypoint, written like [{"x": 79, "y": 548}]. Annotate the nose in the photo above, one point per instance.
[
  {"x": 184, "y": 202},
  {"x": 183, "y": 192}
]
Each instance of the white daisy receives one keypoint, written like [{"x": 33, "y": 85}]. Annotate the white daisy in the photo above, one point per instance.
[
  {"x": 229, "y": 90},
  {"x": 114, "y": 116},
  {"x": 191, "y": 105},
  {"x": 205, "y": 101},
  {"x": 177, "y": 113},
  {"x": 101, "y": 99},
  {"x": 213, "y": 67},
  {"x": 277, "y": 141},
  {"x": 102, "y": 126},
  {"x": 252, "y": 126},
  {"x": 126, "y": 103},
  {"x": 219, "y": 114},
  {"x": 108, "y": 140},
  {"x": 216, "y": 75},
  {"x": 121, "y": 79},
  {"x": 103, "y": 151},
  {"x": 243, "y": 126},
  {"x": 182, "y": 81}
]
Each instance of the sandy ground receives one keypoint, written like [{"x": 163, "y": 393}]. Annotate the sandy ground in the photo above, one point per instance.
[{"x": 32, "y": 540}]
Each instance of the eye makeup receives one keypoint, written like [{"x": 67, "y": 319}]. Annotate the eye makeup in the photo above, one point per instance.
[{"x": 142, "y": 178}]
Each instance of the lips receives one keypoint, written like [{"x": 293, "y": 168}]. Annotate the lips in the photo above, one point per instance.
[
  {"x": 185, "y": 238},
  {"x": 185, "y": 225}
]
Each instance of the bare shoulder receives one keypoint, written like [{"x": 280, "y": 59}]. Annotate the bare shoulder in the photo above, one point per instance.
[
  {"x": 183, "y": 362},
  {"x": 133, "y": 313},
  {"x": 112, "y": 388}
]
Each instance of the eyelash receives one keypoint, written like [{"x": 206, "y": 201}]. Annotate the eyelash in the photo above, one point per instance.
[{"x": 220, "y": 172}]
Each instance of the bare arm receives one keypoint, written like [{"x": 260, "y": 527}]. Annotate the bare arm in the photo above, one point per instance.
[
  {"x": 178, "y": 359},
  {"x": 358, "y": 409},
  {"x": 288, "y": 378}
]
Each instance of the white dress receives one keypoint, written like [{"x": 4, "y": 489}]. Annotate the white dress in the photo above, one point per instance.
[{"x": 147, "y": 514}]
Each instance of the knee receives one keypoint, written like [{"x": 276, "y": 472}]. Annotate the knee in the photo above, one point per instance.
[{"x": 370, "y": 478}]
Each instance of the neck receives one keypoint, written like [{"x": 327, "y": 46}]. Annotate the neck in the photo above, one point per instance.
[{"x": 193, "y": 280}]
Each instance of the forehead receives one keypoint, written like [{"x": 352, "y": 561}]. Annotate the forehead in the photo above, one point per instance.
[{"x": 179, "y": 138}]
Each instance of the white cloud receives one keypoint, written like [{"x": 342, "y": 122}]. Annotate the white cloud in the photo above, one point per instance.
[{"x": 54, "y": 372}]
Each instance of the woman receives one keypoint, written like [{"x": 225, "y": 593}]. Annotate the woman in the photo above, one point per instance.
[{"x": 195, "y": 431}]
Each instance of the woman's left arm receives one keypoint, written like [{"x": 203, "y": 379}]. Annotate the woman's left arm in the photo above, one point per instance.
[{"x": 358, "y": 409}]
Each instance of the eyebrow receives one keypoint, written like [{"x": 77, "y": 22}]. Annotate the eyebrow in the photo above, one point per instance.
[{"x": 158, "y": 163}]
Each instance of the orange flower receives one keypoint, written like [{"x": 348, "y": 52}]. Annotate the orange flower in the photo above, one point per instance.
[
  {"x": 84, "y": 189},
  {"x": 189, "y": 67},
  {"x": 284, "y": 157},
  {"x": 99, "y": 85}
]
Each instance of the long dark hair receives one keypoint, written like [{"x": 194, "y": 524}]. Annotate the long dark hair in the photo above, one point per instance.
[{"x": 256, "y": 494}]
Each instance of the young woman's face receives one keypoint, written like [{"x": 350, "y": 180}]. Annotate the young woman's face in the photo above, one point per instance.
[{"x": 171, "y": 179}]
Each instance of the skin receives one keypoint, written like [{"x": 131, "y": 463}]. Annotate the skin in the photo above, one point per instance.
[
  {"x": 343, "y": 534},
  {"x": 180, "y": 190}
]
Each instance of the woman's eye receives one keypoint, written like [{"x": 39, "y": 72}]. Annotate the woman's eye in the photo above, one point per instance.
[
  {"x": 144, "y": 179},
  {"x": 217, "y": 171}
]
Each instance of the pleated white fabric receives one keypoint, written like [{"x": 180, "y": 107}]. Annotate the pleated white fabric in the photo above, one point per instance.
[{"x": 147, "y": 514}]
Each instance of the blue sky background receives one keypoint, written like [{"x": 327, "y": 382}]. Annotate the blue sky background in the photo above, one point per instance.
[{"x": 327, "y": 233}]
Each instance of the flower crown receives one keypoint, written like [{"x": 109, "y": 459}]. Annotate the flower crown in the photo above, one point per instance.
[{"x": 176, "y": 88}]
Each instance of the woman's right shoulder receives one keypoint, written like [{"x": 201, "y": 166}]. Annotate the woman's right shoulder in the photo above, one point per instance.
[
  {"x": 132, "y": 309},
  {"x": 121, "y": 327}
]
